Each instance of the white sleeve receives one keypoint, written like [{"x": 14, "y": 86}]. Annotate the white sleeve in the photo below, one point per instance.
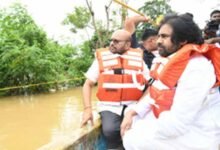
[
  {"x": 192, "y": 89},
  {"x": 143, "y": 106},
  {"x": 93, "y": 72}
]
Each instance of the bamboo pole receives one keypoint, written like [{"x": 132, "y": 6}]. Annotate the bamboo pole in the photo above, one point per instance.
[
  {"x": 134, "y": 10},
  {"x": 128, "y": 7}
]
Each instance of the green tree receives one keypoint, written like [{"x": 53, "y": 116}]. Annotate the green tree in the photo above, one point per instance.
[
  {"x": 79, "y": 19},
  {"x": 92, "y": 24},
  {"x": 81, "y": 62},
  {"x": 27, "y": 56},
  {"x": 156, "y": 9}
]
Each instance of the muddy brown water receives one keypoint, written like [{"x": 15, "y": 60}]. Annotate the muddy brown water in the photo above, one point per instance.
[{"x": 29, "y": 122}]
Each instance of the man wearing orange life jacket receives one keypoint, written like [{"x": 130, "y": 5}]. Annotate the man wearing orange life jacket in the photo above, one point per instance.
[
  {"x": 180, "y": 109},
  {"x": 121, "y": 75}
]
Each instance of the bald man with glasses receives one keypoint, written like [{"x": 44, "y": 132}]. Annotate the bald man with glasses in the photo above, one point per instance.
[{"x": 121, "y": 76}]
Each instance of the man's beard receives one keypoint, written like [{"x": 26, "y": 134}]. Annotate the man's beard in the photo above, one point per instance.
[
  {"x": 164, "y": 52},
  {"x": 116, "y": 51}
]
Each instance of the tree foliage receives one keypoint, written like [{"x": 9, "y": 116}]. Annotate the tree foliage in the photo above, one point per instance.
[
  {"x": 79, "y": 18},
  {"x": 27, "y": 56},
  {"x": 94, "y": 24},
  {"x": 81, "y": 62},
  {"x": 155, "y": 9}
]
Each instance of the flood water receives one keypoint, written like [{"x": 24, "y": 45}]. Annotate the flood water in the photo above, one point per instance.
[{"x": 29, "y": 122}]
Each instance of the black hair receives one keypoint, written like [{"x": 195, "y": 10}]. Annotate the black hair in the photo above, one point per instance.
[
  {"x": 148, "y": 33},
  {"x": 184, "y": 29},
  {"x": 190, "y": 14},
  {"x": 214, "y": 12}
]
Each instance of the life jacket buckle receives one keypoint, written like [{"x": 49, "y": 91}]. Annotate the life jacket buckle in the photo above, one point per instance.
[
  {"x": 151, "y": 81},
  {"x": 118, "y": 71}
]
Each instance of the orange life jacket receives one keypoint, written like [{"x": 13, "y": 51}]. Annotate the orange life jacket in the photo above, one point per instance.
[
  {"x": 174, "y": 68},
  {"x": 121, "y": 76}
]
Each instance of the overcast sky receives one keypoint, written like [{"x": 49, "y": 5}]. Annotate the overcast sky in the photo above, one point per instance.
[{"x": 49, "y": 14}]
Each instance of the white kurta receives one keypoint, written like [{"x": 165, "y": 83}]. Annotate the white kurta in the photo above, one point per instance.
[{"x": 193, "y": 123}]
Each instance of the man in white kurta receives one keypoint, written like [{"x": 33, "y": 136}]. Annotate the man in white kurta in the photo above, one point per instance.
[{"x": 193, "y": 121}]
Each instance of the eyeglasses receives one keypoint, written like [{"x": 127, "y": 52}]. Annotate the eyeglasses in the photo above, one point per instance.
[{"x": 115, "y": 41}]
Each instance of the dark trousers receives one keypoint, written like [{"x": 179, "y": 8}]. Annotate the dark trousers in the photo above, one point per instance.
[{"x": 111, "y": 129}]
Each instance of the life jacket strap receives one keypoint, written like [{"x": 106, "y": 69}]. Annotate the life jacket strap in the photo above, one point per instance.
[{"x": 151, "y": 81}]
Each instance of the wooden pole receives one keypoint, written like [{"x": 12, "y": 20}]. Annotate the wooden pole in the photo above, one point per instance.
[{"x": 128, "y": 7}]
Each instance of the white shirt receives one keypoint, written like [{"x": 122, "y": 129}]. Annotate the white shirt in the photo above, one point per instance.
[
  {"x": 93, "y": 74},
  {"x": 217, "y": 45}
]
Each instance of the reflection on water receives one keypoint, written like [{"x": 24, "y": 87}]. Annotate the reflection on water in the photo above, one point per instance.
[{"x": 29, "y": 122}]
